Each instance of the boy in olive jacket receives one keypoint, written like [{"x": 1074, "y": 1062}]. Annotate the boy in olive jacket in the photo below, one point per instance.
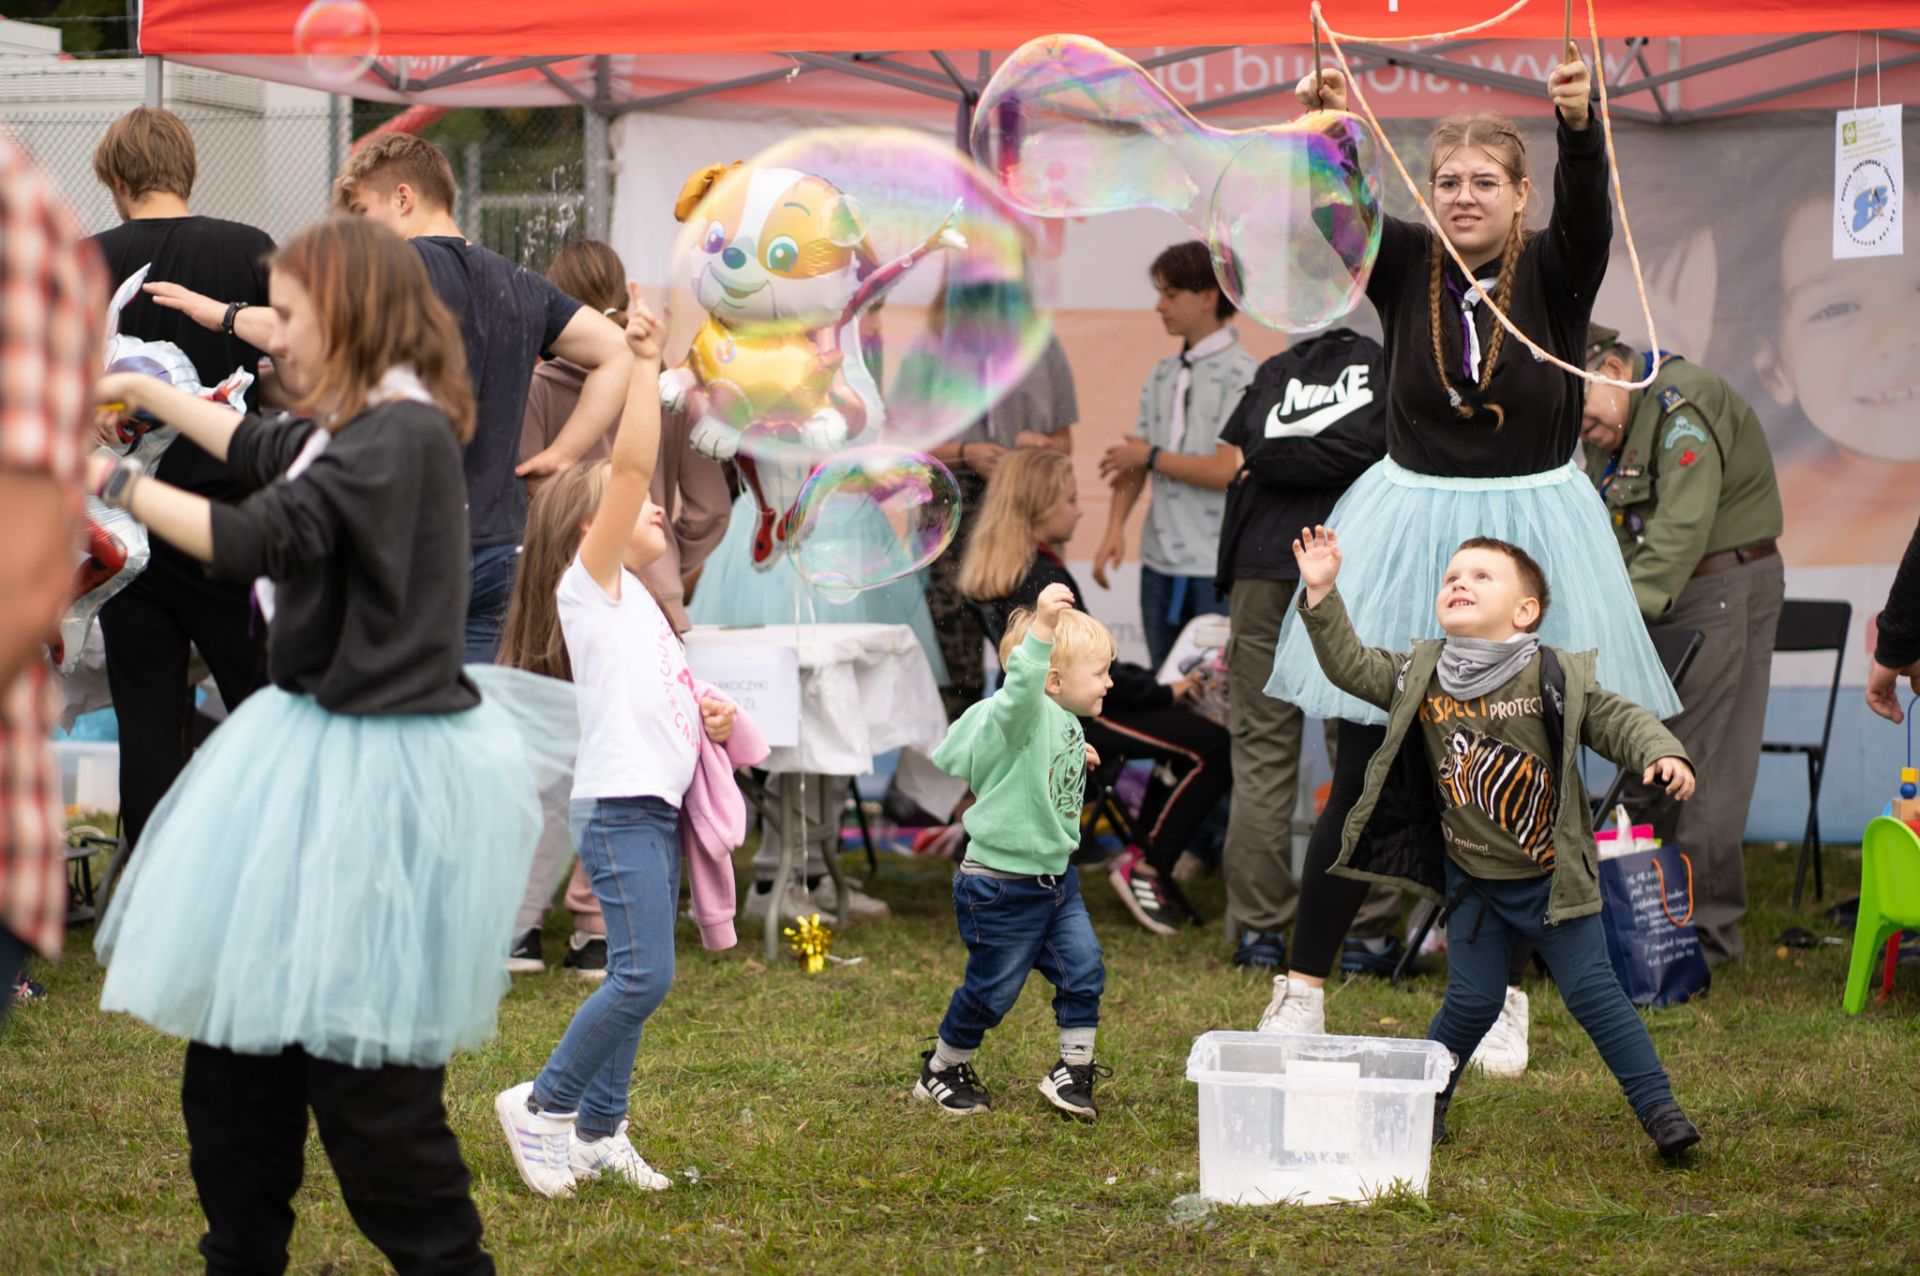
[
  {"x": 1016, "y": 897},
  {"x": 1477, "y": 792}
]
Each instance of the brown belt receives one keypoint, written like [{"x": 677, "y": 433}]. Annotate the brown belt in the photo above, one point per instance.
[{"x": 1735, "y": 557}]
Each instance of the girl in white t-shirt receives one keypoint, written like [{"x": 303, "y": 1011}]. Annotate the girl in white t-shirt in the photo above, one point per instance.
[{"x": 580, "y": 611}]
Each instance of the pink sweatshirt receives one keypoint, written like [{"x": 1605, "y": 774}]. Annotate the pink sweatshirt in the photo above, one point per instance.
[{"x": 713, "y": 821}]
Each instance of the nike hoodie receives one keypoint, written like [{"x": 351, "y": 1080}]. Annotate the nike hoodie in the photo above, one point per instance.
[{"x": 1314, "y": 419}]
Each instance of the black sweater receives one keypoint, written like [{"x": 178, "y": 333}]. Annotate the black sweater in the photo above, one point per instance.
[
  {"x": 1899, "y": 643},
  {"x": 368, "y": 554},
  {"x": 1134, "y": 686},
  {"x": 1310, "y": 424},
  {"x": 1559, "y": 272}
]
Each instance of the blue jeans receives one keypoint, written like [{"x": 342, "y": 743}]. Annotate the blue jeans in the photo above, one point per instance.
[
  {"x": 1167, "y": 603},
  {"x": 489, "y": 590},
  {"x": 1486, "y": 922},
  {"x": 14, "y": 952},
  {"x": 1012, "y": 928},
  {"x": 631, "y": 851}
]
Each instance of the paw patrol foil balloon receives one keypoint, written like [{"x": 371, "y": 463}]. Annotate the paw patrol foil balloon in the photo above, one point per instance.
[{"x": 786, "y": 262}]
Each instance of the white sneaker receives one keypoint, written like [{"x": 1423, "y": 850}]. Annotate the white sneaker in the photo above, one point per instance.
[
  {"x": 1297, "y": 1009},
  {"x": 1503, "y": 1051},
  {"x": 861, "y": 907},
  {"x": 614, "y": 1154},
  {"x": 540, "y": 1141},
  {"x": 796, "y": 902}
]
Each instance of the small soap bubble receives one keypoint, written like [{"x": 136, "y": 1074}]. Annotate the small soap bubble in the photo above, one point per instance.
[
  {"x": 872, "y": 515},
  {"x": 338, "y": 38}
]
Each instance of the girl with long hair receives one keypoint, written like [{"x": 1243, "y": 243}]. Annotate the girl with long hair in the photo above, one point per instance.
[
  {"x": 1479, "y": 440},
  {"x": 321, "y": 898},
  {"x": 1031, "y": 508}
]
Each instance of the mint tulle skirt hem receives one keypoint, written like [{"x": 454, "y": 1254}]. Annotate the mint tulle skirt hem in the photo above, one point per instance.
[
  {"x": 344, "y": 884},
  {"x": 1397, "y": 530}
]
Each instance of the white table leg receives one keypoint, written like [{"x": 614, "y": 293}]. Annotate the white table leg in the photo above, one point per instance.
[{"x": 787, "y": 823}]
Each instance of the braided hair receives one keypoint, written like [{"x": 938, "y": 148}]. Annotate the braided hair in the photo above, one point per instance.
[{"x": 1500, "y": 139}]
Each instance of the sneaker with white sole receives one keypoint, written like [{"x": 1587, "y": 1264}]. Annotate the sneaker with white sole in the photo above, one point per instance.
[
  {"x": 796, "y": 902},
  {"x": 541, "y": 1142},
  {"x": 1149, "y": 899},
  {"x": 1069, "y": 1088},
  {"x": 861, "y": 907},
  {"x": 586, "y": 956},
  {"x": 614, "y": 1154},
  {"x": 1298, "y": 1009},
  {"x": 956, "y": 1091},
  {"x": 1503, "y": 1051},
  {"x": 525, "y": 957}
]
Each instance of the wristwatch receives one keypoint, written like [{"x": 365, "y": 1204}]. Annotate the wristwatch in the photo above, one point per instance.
[
  {"x": 1153, "y": 454},
  {"x": 117, "y": 486},
  {"x": 233, "y": 310}
]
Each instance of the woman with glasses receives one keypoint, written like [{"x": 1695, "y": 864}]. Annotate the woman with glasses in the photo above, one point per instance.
[{"x": 1480, "y": 435}]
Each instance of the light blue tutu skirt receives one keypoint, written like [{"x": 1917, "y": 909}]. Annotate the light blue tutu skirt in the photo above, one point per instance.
[
  {"x": 1397, "y": 531},
  {"x": 343, "y": 884},
  {"x": 733, "y": 592}
]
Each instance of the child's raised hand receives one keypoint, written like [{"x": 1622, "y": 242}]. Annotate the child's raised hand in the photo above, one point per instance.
[
  {"x": 717, "y": 717},
  {"x": 1093, "y": 758},
  {"x": 1675, "y": 774},
  {"x": 1317, "y": 553},
  {"x": 644, "y": 329},
  {"x": 1569, "y": 86},
  {"x": 1053, "y": 600}
]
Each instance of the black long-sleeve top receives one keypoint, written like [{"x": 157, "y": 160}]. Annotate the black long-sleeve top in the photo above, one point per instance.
[
  {"x": 1134, "y": 686},
  {"x": 367, "y": 550},
  {"x": 1558, "y": 275},
  {"x": 1899, "y": 643}
]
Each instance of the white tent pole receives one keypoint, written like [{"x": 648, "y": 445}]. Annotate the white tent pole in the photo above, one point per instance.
[{"x": 156, "y": 80}]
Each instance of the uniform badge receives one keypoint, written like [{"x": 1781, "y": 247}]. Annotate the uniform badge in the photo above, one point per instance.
[
  {"x": 1632, "y": 471},
  {"x": 1671, "y": 400},
  {"x": 1689, "y": 456},
  {"x": 1682, "y": 429}
]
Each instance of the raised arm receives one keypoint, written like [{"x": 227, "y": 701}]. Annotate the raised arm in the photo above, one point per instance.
[
  {"x": 636, "y": 450},
  {"x": 1370, "y": 673}
]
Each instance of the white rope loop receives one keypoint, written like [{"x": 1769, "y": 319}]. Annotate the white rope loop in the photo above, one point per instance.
[{"x": 1613, "y": 166}]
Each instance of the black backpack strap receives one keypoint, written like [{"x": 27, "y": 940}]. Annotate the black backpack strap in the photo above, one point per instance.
[{"x": 1553, "y": 707}]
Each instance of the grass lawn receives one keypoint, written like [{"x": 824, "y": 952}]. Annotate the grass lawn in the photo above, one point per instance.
[{"x": 778, "y": 1103}]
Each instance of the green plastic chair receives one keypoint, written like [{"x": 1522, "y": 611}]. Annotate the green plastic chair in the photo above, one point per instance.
[{"x": 1889, "y": 900}]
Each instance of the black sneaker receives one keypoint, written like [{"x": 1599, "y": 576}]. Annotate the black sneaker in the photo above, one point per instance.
[
  {"x": 1149, "y": 899},
  {"x": 1670, "y": 1130},
  {"x": 1261, "y": 950},
  {"x": 956, "y": 1091},
  {"x": 25, "y": 989},
  {"x": 586, "y": 955},
  {"x": 525, "y": 958},
  {"x": 1070, "y": 1088},
  {"x": 1371, "y": 956}
]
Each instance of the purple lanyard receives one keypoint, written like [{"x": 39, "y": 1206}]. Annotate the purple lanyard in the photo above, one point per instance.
[{"x": 1466, "y": 325}]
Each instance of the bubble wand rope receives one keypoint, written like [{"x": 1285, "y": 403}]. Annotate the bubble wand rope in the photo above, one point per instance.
[{"x": 1613, "y": 168}]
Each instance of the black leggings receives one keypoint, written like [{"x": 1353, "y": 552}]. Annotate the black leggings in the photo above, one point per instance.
[{"x": 1200, "y": 752}]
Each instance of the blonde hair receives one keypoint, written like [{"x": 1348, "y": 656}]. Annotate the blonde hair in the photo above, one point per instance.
[
  {"x": 1076, "y": 637},
  {"x": 556, "y": 521},
  {"x": 1500, "y": 139},
  {"x": 386, "y": 160},
  {"x": 147, "y": 149},
  {"x": 1024, "y": 486}
]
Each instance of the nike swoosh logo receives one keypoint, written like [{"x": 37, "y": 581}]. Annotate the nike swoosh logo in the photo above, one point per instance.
[{"x": 1317, "y": 420}]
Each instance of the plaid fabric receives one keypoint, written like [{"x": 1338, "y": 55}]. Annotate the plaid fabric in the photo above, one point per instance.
[{"x": 52, "y": 300}]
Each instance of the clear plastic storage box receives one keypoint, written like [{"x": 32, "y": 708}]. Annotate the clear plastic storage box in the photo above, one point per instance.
[{"x": 1313, "y": 1120}]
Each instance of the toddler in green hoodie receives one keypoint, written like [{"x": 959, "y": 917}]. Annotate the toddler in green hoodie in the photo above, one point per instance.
[{"x": 1016, "y": 897}]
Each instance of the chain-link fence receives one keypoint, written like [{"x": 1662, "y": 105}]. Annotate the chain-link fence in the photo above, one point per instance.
[{"x": 520, "y": 174}]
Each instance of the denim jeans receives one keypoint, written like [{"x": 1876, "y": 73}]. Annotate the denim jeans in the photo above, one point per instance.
[
  {"x": 489, "y": 590},
  {"x": 631, "y": 851},
  {"x": 1167, "y": 603},
  {"x": 1485, "y": 924},
  {"x": 1012, "y": 928},
  {"x": 14, "y": 952}
]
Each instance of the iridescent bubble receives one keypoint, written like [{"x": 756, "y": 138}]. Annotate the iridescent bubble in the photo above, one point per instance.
[
  {"x": 338, "y": 38},
  {"x": 871, "y": 515},
  {"x": 1291, "y": 211},
  {"x": 845, "y": 288}
]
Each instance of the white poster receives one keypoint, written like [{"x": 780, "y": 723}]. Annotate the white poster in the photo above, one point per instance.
[
  {"x": 1867, "y": 179},
  {"x": 762, "y": 678}
]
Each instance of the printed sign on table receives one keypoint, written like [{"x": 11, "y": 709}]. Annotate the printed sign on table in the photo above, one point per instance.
[{"x": 762, "y": 678}]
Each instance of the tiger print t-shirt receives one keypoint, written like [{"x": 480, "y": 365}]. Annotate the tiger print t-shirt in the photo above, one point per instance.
[{"x": 1492, "y": 763}]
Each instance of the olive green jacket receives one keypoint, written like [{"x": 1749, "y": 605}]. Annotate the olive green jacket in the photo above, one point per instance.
[
  {"x": 1393, "y": 833},
  {"x": 1693, "y": 476}
]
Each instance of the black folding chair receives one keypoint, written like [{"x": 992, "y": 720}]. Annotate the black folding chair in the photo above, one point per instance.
[
  {"x": 1811, "y": 626},
  {"x": 1676, "y": 648}
]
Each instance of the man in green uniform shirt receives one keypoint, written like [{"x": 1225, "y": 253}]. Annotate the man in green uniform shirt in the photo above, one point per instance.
[{"x": 1687, "y": 476}]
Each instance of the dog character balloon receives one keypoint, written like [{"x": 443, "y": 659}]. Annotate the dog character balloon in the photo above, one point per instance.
[{"x": 775, "y": 377}]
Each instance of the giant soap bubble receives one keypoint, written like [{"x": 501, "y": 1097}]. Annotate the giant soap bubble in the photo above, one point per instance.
[
  {"x": 844, "y": 288},
  {"x": 871, "y": 515},
  {"x": 1291, "y": 212},
  {"x": 338, "y": 38}
]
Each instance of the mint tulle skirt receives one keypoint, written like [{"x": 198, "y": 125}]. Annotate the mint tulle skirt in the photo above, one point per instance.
[
  {"x": 344, "y": 884},
  {"x": 1397, "y": 530}
]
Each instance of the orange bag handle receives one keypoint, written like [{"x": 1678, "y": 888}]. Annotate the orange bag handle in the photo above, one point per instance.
[{"x": 1677, "y": 921}]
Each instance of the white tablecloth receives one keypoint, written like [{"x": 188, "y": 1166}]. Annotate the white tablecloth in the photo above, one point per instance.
[{"x": 864, "y": 690}]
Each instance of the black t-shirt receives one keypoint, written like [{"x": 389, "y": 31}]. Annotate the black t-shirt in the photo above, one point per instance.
[
  {"x": 223, "y": 260},
  {"x": 509, "y": 318}
]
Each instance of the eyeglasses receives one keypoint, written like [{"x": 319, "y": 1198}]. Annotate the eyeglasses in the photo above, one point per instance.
[{"x": 1483, "y": 188}]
